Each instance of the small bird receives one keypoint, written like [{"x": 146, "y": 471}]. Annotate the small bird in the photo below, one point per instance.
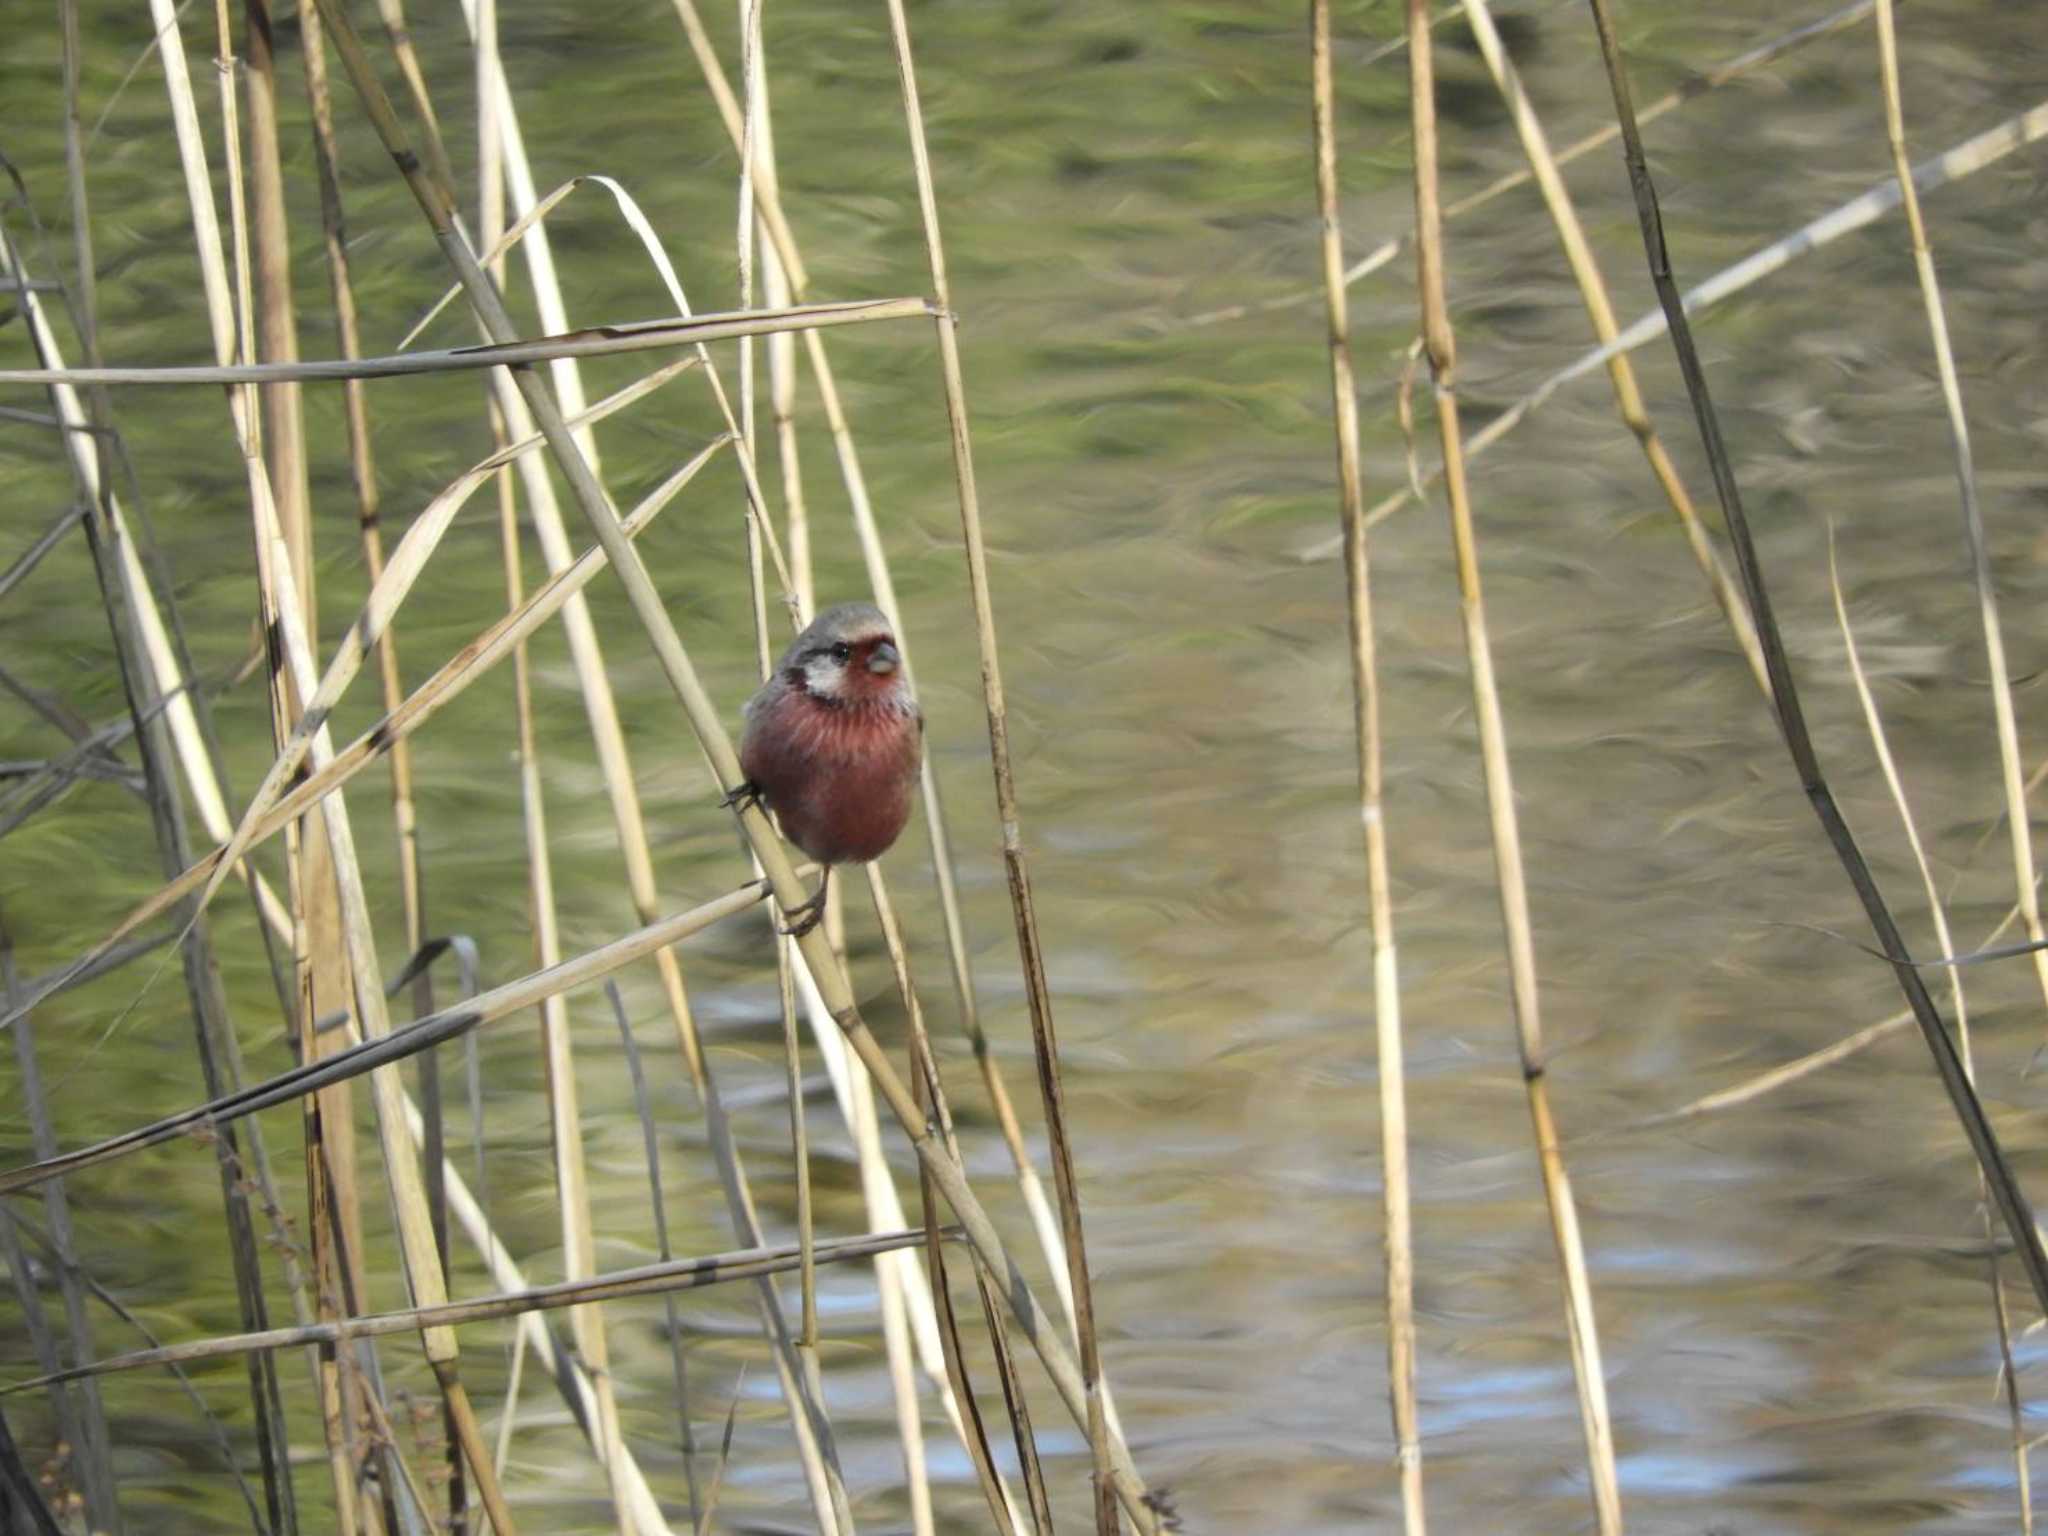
[{"x": 833, "y": 743}]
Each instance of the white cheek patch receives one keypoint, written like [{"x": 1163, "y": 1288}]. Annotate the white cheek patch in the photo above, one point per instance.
[{"x": 824, "y": 675}]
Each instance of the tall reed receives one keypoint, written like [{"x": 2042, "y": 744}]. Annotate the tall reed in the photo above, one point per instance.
[{"x": 1440, "y": 346}]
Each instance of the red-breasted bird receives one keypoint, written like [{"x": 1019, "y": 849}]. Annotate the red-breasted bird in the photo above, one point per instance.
[{"x": 832, "y": 744}]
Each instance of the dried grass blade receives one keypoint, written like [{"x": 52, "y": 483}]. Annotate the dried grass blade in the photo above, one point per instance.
[
  {"x": 1939, "y": 916},
  {"x": 2017, "y": 821}
]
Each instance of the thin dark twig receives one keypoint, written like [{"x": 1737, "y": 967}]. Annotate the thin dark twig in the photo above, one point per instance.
[
  {"x": 120, "y": 1309},
  {"x": 21, "y": 1502},
  {"x": 2005, "y": 1189},
  {"x": 675, "y": 1327},
  {"x": 1974, "y": 957},
  {"x": 46, "y": 541}
]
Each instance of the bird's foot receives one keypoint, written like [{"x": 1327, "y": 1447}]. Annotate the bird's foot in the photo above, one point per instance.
[
  {"x": 802, "y": 919},
  {"x": 745, "y": 794}
]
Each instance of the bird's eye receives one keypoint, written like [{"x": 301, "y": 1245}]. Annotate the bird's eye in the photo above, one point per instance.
[{"x": 842, "y": 652}]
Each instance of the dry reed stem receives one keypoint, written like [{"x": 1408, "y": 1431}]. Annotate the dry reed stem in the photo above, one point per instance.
[
  {"x": 565, "y": 1121},
  {"x": 1628, "y": 396},
  {"x": 704, "y": 718},
  {"x": 570, "y": 1377},
  {"x": 580, "y": 446},
  {"x": 1440, "y": 345},
  {"x": 901, "y": 1306},
  {"x": 1695, "y": 85},
  {"x": 783, "y": 243},
  {"x": 1939, "y": 916},
  {"x": 1029, "y": 950},
  {"x": 590, "y": 341},
  {"x": 758, "y": 532},
  {"x": 2017, "y": 821},
  {"x": 363, "y": 476},
  {"x": 1965, "y": 159},
  {"x": 2011, "y": 1200},
  {"x": 423, "y": 1267},
  {"x": 282, "y": 603},
  {"x": 642, "y": 1280},
  {"x": 134, "y": 620},
  {"x": 930, "y": 1091},
  {"x": 276, "y": 323},
  {"x": 1365, "y": 695},
  {"x": 82, "y": 1419},
  {"x": 658, "y": 1204},
  {"x": 390, "y": 585},
  {"x": 467, "y": 666}
]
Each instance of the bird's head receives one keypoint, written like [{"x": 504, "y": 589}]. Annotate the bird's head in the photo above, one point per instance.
[{"x": 847, "y": 656}]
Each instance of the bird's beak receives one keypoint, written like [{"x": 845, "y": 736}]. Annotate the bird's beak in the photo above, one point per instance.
[{"x": 884, "y": 658}]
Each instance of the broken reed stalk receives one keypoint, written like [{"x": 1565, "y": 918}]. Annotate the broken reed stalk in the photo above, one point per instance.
[
  {"x": 2005, "y": 1189},
  {"x": 1365, "y": 698},
  {"x": 1628, "y": 396},
  {"x": 1030, "y": 952},
  {"x": 338, "y": 1384},
  {"x": 1938, "y": 914},
  {"x": 1965, "y": 159},
  {"x": 652, "y": 614},
  {"x": 2017, "y": 820},
  {"x": 1440, "y": 345}
]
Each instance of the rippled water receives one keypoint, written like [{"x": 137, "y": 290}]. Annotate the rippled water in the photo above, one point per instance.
[{"x": 1791, "y": 1295}]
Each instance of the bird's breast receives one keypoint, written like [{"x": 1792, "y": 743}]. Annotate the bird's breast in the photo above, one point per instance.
[{"x": 839, "y": 778}]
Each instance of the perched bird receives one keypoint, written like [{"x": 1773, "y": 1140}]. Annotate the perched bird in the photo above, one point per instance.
[{"x": 832, "y": 744}]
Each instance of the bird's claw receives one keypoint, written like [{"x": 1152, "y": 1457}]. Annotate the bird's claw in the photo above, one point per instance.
[
  {"x": 803, "y": 918},
  {"x": 741, "y": 796},
  {"x": 813, "y": 913}
]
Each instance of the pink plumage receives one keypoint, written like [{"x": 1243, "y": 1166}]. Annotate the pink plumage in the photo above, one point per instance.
[{"x": 834, "y": 740}]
